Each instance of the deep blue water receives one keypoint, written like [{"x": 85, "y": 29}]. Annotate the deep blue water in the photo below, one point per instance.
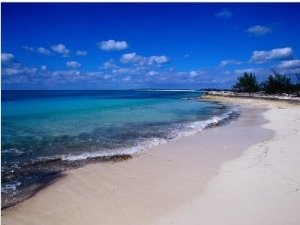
[{"x": 38, "y": 126}]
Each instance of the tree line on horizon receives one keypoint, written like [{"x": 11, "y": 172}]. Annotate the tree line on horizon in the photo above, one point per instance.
[{"x": 276, "y": 83}]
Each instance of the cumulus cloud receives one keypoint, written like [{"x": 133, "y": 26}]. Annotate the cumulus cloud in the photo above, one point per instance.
[
  {"x": 182, "y": 79},
  {"x": 274, "y": 54},
  {"x": 258, "y": 30},
  {"x": 18, "y": 71},
  {"x": 126, "y": 79},
  {"x": 44, "y": 67},
  {"x": 152, "y": 73},
  {"x": 43, "y": 51},
  {"x": 61, "y": 49},
  {"x": 66, "y": 76},
  {"x": 8, "y": 61},
  {"x": 290, "y": 64},
  {"x": 11, "y": 71},
  {"x": 224, "y": 13},
  {"x": 107, "y": 76},
  {"x": 193, "y": 74},
  {"x": 225, "y": 63},
  {"x": 73, "y": 64},
  {"x": 157, "y": 59},
  {"x": 28, "y": 48},
  {"x": 133, "y": 58},
  {"x": 66, "y": 73},
  {"x": 14, "y": 80},
  {"x": 94, "y": 74},
  {"x": 133, "y": 71},
  {"x": 109, "y": 64},
  {"x": 81, "y": 52},
  {"x": 7, "y": 57},
  {"x": 112, "y": 45}
]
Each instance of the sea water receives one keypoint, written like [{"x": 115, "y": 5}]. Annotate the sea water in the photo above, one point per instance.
[{"x": 43, "y": 131}]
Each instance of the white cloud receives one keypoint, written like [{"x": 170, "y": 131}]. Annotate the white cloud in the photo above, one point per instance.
[
  {"x": 107, "y": 76},
  {"x": 274, "y": 54},
  {"x": 259, "y": 30},
  {"x": 158, "y": 59},
  {"x": 112, "y": 45},
  {"x": 43, "y": 51},
  {"x": 225, "y": 63},
  {"x": 133, "y": 71},
  {"x": 242, "y": 71},
  {"x": 225, "y": 13},
  {"x": 143, "y": 61},
  {"x": 7, "y": 57},
  {"x": 14, "y": 80},
  {"x": 44, "y": 67},
  {"x": 183, "y": 78},
  {"x": 94, "y": 74},
  {"x": 152, "y": 73},
  {"x": 66, "y": 73},
  {"x": 18, "y": 71},
  {"x": 291, "y": 64},
  {"x": 8, "y": 61},
  {"x": 126, "y": 79},
  {"x": 130, "y": 58},
  {"x": 28, "y": 48},
  {"x": 193, "y": 74},
  {"x": 29, "y": 71},
  {"x": 108, "y": 65},
  {"x": 73, "y": 64},
  {"x": 81, "y": 52},
  {"x": 61, "y": 49},
  {"x": 11, "y": 71}
]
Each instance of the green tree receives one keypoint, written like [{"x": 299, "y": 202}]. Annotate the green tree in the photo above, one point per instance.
[
  {"x": 246, "y": 83},
  {"x": 277, "y": 83}
]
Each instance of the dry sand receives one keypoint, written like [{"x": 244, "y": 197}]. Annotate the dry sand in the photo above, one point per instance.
[{"x": 207, "y": 178}]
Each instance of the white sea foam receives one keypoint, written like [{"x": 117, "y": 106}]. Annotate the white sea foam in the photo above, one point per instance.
[
  {"x": 181, "y": 131},
  {"x": 10, "y": 187},
  {"x": 122, "y": 151},
  {"x": 12, "y": 151}
]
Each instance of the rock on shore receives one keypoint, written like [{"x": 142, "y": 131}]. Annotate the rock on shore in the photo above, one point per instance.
[{"x": 262, "y": 95}]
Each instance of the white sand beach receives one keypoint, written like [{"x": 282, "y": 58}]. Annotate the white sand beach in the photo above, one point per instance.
[{"x": 245, "y": 172}]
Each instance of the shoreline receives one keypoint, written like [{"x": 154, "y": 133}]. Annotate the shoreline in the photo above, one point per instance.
[{"x": 149, "y": 187}]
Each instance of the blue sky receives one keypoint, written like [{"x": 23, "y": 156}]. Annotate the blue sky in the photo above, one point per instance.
[{"x": 145, "y": 45}]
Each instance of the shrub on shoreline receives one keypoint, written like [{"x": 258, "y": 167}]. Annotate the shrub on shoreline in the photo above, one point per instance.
[
  {"x": 275, "y": 84},
  {"x": 246, "y": 83}
]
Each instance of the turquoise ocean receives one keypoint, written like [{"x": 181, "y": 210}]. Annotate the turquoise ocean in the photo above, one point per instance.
[{"x": 46, "y": 132}]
